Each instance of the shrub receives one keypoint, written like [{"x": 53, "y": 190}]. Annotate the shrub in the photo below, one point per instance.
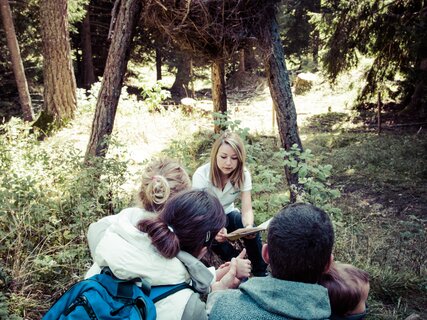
[{"x": 48, "y": 197}]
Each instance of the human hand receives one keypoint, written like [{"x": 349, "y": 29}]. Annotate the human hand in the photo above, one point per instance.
[
  {"x": 221, "y": 235},
  {"x": 229, "y": 280},
  {"x": 251, "y": 236},
  {"x": 244, "y": 266}
]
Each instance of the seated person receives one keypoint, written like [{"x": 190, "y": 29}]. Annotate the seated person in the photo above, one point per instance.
[
  {"x": 161, "y": 179},
  {"x": 348, "y": 289},
  {"x": 299, "y": 250},
  {"x": 165, "y": 249},
  {"x": 227, "y": 176}
]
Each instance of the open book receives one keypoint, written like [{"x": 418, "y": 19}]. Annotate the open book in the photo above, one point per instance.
[{"x": 243, "y": 232}]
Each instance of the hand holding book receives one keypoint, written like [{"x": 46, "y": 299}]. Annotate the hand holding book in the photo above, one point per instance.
[{"x": 243, "y": 232}]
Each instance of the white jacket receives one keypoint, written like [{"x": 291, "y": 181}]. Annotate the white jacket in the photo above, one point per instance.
[{"x": 117, "y": 243}]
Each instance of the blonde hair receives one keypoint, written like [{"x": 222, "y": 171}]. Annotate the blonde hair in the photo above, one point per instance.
[
  {"x": 162, "y": 178},
  {"x": 236, "y": 143}
]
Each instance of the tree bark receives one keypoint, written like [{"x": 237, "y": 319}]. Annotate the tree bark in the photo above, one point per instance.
[
  {"x": 59, "y": 83},
  {"x": 280, "y": 89},
  {"x": 158, "y": 64},
  {"x": 242, "y": 66},
  {"x": 316, "y": 8},
  {"x": 180, "y": 87},
  {"x": 251, "y": 62},
  {"x": 88, "y": 69},
  {"x": 417, "y": 97},
  {"x": 112, "y": 82},
  {"x": 17, "y": 65},
  {"x": 219, "y": 93}
]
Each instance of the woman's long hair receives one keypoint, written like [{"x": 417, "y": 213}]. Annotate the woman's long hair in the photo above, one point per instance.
[
  {"x": 236, "y": 143},
  {"x": 189, "y": 221}
]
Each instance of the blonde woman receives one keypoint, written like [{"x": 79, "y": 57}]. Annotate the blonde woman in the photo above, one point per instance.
[
  {"x": 161, "y": 179},
  {"x": 228, "y": 178}
]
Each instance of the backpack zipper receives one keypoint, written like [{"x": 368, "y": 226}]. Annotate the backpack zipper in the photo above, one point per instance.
[{"x": 82, "y": 301}]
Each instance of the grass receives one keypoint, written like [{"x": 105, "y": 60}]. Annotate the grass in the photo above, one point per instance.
[
  {"x": 383, "y": 183},
  {"x": 48, "y": 198}
]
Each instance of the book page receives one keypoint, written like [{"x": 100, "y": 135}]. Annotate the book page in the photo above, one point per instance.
[{"x": 243, "y": 232}]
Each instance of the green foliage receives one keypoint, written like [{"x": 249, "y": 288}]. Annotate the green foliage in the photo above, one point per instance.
[
  {"x": 314, "y": 178},
  {"x": 76, "y": 11},
  {"x": 48, "y": 197},
  {"x": 392, "y": 32},
  {"x": 298, "y": 36},
  {"x": 4, "y": 309},
  {"x": 266, "y": 162},
  {"x": 154, "y": 96},
  {"x": 222, "y": 120},
  {"x": 372, "y": 160}
]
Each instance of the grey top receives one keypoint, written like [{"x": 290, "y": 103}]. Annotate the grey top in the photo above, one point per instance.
[{"x": 270, "y": 298}]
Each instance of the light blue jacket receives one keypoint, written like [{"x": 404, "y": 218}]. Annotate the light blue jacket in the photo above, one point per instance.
[{"x": 270, "y": 298}]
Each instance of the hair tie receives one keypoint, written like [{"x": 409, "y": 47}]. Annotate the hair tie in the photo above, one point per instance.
[
  {"x": 170, "y": 229},
  {"x": 208, "y": 236}
]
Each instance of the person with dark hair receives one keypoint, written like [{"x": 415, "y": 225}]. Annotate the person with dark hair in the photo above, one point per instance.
[
  {"x": 228, "y": 178},
  {"x": 165, "y": 249},
  {"x": 348, "y": 289},
  {"x": 299, "y": 250}
]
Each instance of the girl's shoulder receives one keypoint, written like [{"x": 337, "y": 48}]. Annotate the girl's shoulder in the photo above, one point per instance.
[
  {"x": 246, "y": 172},
  {"x": 203, "y": 169}
]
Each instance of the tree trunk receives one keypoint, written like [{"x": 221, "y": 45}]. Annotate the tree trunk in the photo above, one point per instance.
[
  {"x": 219, "y": 93},
  {"x": 59, "y": 82},
  {"x": 88, "y": 69},
  {"x": 315, "y": 50},
  {"x": 15, "y": 55},
  {"x": 417, "y": 97},
  {"x": 317, "y": 5},
  {"x": 158, "y": 64},
  {"x": 112, "y": 82},
  {"x": 242, "y": 66},
  {"x": 180, "y": 87},
  {"x": 251, "y": 62},
  {"x": 280, "y": 89}
]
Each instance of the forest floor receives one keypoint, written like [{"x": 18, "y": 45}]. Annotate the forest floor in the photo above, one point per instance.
[{"x": 382, "y": 178}]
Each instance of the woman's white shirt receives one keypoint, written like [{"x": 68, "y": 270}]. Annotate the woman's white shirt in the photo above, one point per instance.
[{"x": 229, "y": 194}]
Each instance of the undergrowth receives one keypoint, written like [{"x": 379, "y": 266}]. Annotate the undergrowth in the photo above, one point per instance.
[
  {"x": 383, "y": 181},
  {"x": 48, "y": 197},
  {"x": 372, "y": 186}
]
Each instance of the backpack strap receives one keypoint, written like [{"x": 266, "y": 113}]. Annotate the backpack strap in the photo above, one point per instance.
[
  {"x": 124, "y": 287},
  {"x": 160, "y": 292},
  {"x": 156, "y": 293}
]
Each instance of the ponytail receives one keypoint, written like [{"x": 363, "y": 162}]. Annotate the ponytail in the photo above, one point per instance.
[
  {"x": 163, "y": 237},
  {"x": 188, "y": 222}
]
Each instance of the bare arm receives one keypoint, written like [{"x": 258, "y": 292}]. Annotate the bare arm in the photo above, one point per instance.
[{"x": 247, "y": 213}]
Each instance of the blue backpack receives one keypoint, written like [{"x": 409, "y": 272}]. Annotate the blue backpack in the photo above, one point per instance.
[{"x": 103, "y": 297}]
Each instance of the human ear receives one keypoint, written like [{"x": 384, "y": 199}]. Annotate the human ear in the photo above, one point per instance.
[
  {"x": 264, "y": 254},
  {"x": 330, "y": 262},
  {"x": 202, "y": 253}
]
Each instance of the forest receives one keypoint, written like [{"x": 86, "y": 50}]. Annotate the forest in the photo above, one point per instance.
[{"x": 330, "y": 97}]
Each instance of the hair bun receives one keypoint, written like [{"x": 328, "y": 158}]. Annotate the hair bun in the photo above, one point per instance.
[{"x": 158, "y": 189}]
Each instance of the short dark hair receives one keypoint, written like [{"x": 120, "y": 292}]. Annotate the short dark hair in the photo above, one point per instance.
[
  {"x": 343, "y": 282},
  {"x": 189, "y": 221},
  {"x": 300, "y": 240}
]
